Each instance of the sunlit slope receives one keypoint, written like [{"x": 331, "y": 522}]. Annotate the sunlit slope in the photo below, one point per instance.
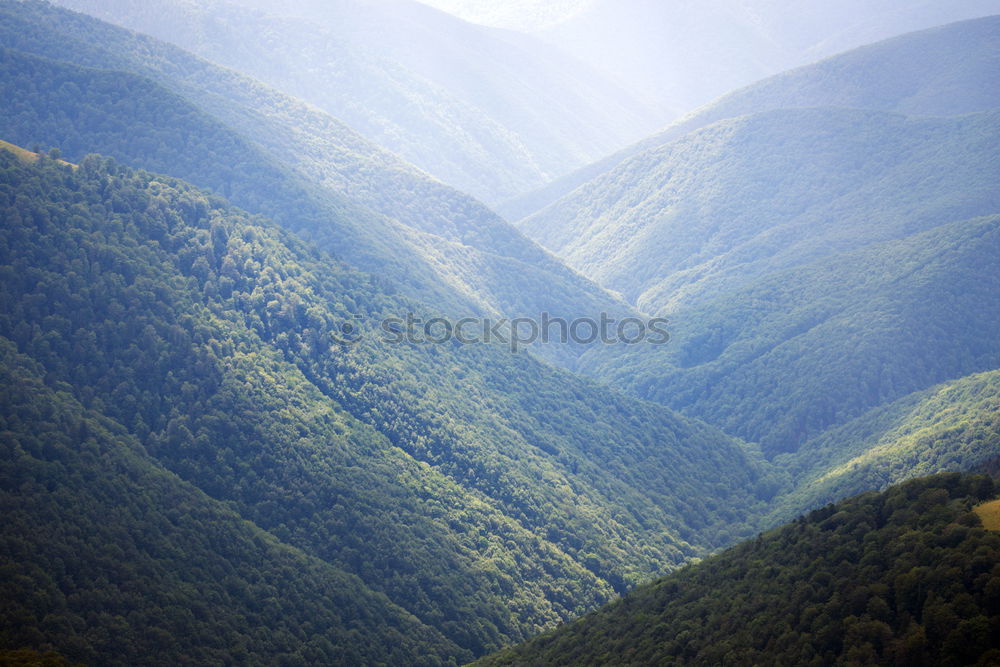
[
  {"x": 745, "y": 197},
  {"x": 949, "y": 70},
  {"x": 788, "y": 356},
  {"x": 460, "y": 481},
  {"x": 953, "y": 426},
  {"x": 908, "y": 576}
]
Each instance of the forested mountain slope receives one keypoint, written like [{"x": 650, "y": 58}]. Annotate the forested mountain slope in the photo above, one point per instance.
[
  {"x": 820, "y": 264},
  {"x": 276, "y": 156},
  {"x": 947, "y": 70},
  {"x": 792, "y": 354},
  {"x": 745, "y": 197},
  {"x": 952, "y": 426},
  {"x": 490, "y": 112},
  {"x": 684, "y": 54},
  {"x": 907, "y": 577},
  {"x": 461, "y": 481},
  {"x": 116, "y": 561}
]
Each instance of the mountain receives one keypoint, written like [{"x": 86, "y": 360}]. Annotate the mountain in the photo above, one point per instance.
[
  {"x": 457, "y": 481},
  {"x": 274, "y": 155},
  {"x": 943, "y": 71},
  {"x": 797, "y": 352},
  {"x": 221, "y": 447},
  {"x": 684, "y": 54},
  {"x": 490, "y": 112},
  {"x": 747, "y": 196},
  {"x": 951, "y": 426},
  {"x": 114, "y": 560},
  {"x": 908, "y": 576}
]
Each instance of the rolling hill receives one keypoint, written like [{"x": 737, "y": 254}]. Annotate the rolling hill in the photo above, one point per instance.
[
  {"x": 908, "y": 576},
  {"x": 748, "y": 196},
  {"x": 795, "y": 353},
  {"x": 276, "y": 156},
  {"x": 941, "y": 71},
  {"x": 458, "y": 481},
  {"x": 490, "y": 112}
]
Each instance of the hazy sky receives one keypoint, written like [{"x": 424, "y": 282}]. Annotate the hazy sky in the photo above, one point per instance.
[{"x": 524, "y": 15}]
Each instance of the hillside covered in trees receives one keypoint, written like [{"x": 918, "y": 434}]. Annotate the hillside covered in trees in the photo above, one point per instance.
[
  {"x": 459, "y": 481},
  {"x": 218, "y": 448},
  {"x": 908, "y": 576},
  {"x": 272, "y": 154},
  {"x": 823, "y": 243}
]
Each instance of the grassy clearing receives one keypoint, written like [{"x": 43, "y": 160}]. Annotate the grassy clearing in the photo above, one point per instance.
[
  {"x": 989, "y": 514},
  {"x": 25, "y": 155}
]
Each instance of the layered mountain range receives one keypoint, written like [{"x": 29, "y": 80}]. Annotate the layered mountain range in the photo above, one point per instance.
[{"x": 216, "y": 450}]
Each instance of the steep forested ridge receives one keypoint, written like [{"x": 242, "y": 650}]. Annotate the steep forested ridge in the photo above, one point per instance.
[
  {"x": 905, "y": 577},
  {"x": 748, "y": 196},
  {"x": 277, "y": 156},
  {"x": 460, "y": 481},
  {"x": 490, "y": 112},
  {"x": 114, "y": 560},
  {"x": 948, "y": 70}
]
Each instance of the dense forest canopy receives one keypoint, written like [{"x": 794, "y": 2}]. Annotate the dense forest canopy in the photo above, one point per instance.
[
  {"x": 205, "y": 334},
  {"x": 274, "y": 155},
  {"x": 219, "y": 448},
  {"x": 908, "y": 576}
]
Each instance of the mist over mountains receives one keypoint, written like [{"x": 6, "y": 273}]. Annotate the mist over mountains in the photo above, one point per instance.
[
  {"x": 681, "y": 55},
  {"x": 217, "y": 450},
  {"x": 490, "y": 112}
]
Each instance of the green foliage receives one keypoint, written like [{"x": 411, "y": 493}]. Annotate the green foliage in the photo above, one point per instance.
[
  {"x": 462, "y": 482},
  {"x": 904, "y": 577},
  {"x": 275, "y": 156},
  {"x": 792, "y": 355},
  {"x": 950, "y": 427},
  {"x": 113, "y": 560},
  {"x": 944, "y": 71},
  {"x": 378, "y": 503}
]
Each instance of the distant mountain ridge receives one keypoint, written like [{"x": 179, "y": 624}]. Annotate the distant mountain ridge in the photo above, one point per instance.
[
  {"x": 290, "y": 162},
  {"x": 946, "y": 70},
  {"x": 746, "y": 196},
  {"x": 490, "y": 112},
  {"x": 684, "y": 54}
]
